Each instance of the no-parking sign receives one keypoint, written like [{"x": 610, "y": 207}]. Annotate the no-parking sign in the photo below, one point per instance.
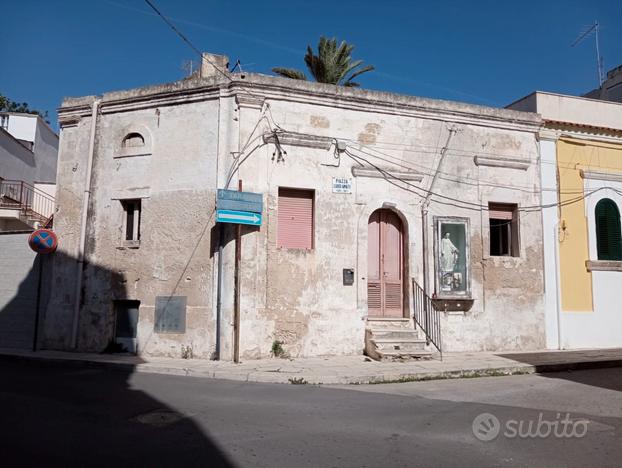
[{"x": 43, "y": 241}]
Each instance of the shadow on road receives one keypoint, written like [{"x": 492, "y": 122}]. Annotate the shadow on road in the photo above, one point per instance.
[
  {"x": 547, "y": 364},
  {"x": 61, "y": 416}
]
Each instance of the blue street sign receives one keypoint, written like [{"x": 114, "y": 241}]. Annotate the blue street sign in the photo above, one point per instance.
[
  {"x": 238, "y": 217},
  {"x": 239, "y": 201}
]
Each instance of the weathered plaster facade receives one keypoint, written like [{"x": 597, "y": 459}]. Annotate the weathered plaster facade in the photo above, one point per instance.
[{"x": 270, "y": 133}]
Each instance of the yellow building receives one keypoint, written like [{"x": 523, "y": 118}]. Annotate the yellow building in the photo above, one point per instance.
[{"x": 581, "y": 175}]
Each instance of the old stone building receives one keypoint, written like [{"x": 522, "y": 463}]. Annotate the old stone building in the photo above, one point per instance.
[{"x": 369, "y": 198}]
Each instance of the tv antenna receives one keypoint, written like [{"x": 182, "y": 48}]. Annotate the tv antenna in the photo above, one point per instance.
[
  {"x": 594, "y": 28},
  {"x": 188, "y": 66}
]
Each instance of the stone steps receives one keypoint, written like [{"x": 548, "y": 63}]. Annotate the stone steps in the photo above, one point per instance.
[
  {"x": 400, "y": 355},
  {"x": 395, "y": 334},
  {"x": 412, "y": 344},
  {"x": 395, "y": 340},
  {"x": 390, "y": 324}
]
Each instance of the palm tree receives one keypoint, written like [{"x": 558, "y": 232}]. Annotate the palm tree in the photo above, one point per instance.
[{"x": 333, "y": 64}]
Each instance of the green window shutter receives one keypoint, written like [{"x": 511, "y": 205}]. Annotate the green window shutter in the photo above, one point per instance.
[{"x": 608, "y": 236}]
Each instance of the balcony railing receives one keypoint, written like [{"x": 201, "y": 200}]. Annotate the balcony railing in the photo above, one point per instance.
[{"x": 32, "y": 203}]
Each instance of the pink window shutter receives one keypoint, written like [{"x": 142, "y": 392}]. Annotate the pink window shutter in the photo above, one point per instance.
[
  {"x": 501, "y": 211},
  {"x": 295, "y": 219}
]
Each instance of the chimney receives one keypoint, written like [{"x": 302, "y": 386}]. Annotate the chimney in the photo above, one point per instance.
[{"x": 211, "y": 63}]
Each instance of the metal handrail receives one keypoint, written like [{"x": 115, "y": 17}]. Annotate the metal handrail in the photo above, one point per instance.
[
  {"x": 427, "y": 317},
  {"x": 30, "y": 201}
]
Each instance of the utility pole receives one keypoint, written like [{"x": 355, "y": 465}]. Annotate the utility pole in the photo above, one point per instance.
[{"x": 424, "y": 214}]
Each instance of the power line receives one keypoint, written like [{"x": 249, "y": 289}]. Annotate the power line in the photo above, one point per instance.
[
  {"x": 450, "y": 177},
  {"x": 464, "y": 179},
  {"x": 426, "y": 169},
  {"x": 235, "y": 167},
  {"x": 464, "y": 204},
  {"x": 420, "y": 191},
  {"x": 185, "y": 39},
  {"x": 454, "y": 151},
  {"x": 459, "y": 153}
]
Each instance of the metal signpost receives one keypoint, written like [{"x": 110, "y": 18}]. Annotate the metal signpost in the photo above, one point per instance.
[
  {"x": 42, "y": 241},
  {"x": 234, "y": 207}
]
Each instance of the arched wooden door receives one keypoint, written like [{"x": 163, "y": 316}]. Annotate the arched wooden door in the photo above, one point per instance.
[{"x": 384, "y": 264}]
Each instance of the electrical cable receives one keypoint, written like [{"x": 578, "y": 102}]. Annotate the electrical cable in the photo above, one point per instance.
[
  {"x": 185, "y": 39},
  {"x": 451, "y": 177},
  {"x": 461, "y": 203},
  {"x": 458, "y": 203},
  {"x": 227, "y": 75}
]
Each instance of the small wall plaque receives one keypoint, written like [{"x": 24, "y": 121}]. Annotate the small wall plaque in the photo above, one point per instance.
[
  {"x": 170, "y": 314},
  {"x": 342, "y": 185}
]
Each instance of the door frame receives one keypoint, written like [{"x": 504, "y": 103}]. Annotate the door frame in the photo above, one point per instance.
[{"x": 363, "y": 248}]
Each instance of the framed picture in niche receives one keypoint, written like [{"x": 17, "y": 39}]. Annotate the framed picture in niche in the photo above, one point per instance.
[{"x": 452, "y": 257}]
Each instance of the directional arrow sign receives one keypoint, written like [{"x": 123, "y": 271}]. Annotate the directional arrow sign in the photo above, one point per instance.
[{"x": 238, "y": 217}]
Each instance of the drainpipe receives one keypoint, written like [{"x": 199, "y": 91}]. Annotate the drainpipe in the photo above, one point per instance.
[
  {"x": 221, "y": 235},
  {"x": 557, "y": 287},
  {"x": 85, "y": 207},
  {"x": 424, "y": 214},
  {"x": 424, "y": 243}
]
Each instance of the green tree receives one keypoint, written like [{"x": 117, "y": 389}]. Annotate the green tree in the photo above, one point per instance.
[
  {"x": 6, "y": 105},
  {"x": 333, "y": 64}
]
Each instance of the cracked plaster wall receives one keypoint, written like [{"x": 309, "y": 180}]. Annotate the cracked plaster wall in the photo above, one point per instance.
[{"x": 292, "y": 296}]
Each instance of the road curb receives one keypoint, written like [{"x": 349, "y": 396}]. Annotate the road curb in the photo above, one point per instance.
[{"x": 311, "y": 377}]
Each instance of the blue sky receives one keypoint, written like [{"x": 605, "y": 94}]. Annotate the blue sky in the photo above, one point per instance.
[{"x": 485, "y": 52}]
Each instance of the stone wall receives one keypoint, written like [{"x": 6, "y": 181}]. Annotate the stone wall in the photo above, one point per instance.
[{"x": 298, "y": 298}]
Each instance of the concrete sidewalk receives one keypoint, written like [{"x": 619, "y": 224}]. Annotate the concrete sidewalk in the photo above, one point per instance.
[{"x": 338, "y": 369}]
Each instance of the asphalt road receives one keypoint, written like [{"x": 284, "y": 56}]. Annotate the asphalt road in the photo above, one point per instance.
[{"x": 56, "y": 416}]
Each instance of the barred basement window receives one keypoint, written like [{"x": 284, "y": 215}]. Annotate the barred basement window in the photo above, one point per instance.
[
  {"x": 608, "y": 238},
  {"x": 503, "y": 229}
]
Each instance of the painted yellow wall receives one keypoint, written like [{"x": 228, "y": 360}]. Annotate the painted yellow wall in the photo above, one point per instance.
[{"x": 572, "y": 156}]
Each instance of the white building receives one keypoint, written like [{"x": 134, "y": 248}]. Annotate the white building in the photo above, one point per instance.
[{"x": 28, "y": 156}]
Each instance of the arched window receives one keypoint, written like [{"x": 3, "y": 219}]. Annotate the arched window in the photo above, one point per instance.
[
  {"x": 608, "y": 238},
  {"x": 133, "y": 140}
]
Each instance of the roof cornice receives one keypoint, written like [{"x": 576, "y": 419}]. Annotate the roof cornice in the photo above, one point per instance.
[{"x": 282, "y": 89}]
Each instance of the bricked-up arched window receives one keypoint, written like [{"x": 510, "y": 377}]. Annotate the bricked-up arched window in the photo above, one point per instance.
[
  {"x": 133, "y": 140},
  {"x": 608, "y": 237}
]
